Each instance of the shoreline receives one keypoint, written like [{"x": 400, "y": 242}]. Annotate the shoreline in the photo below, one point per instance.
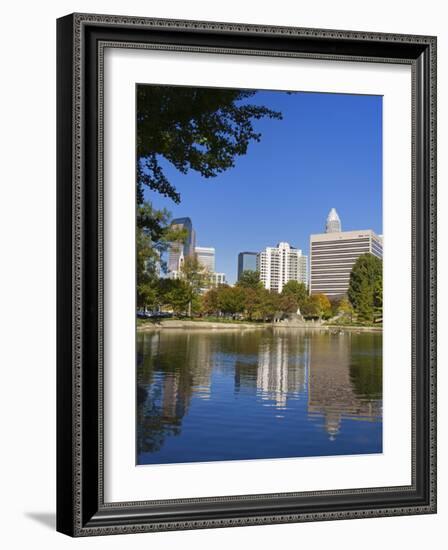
[
  {"x": 184, "y": 324},
  {"x": 212, "y": 325}
]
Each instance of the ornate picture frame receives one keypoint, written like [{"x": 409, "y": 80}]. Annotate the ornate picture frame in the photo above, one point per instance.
[{"x": 81, "y": 506}]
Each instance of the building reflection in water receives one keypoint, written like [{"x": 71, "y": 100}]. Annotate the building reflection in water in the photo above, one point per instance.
[
  {"x": 282, "y": 368},
  {"x": 171, "y": 369},
  {"x": 335, "y": 375}
]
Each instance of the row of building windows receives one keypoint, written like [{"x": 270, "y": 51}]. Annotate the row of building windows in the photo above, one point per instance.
[
  {"x": 335, "y": 278},
  {"x": 332, "y": 259},
  {"x": 335, "y": 249},
  {"x": 337, "y": 259},
  {"x": 341, "y": 250},
  {"x": 339, "y": 242},
  {"x": 336, "y": 263}
]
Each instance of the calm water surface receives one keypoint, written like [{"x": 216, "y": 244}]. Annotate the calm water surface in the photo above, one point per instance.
[{"x": 207, "y": 395}]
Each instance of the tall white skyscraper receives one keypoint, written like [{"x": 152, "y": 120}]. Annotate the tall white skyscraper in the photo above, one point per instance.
[
  {"x": 206, "y": 257},
  {"x": 333, "y": 224},
  {"x": 281, "y": 264}
]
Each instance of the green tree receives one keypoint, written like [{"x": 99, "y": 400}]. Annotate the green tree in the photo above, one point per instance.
[
  {"x": 378, "y": 299},
  {"x": 230, "y": 299},
  {"x": 176, "y": 294},
  {"x": 365, "y": 287},
  {"x": 196, "y": 276},
  {"x": 310, "y": 309},
  {"x": 153, "y": 237},
  {"x": 147, "y": 295},
  {"x": 250, "y": 279},
  {"x": 298, "y": 290},
  {"x": 268, "y": 305},
  {"x": 200, "y": 129},
  {"x": 146, "y": 270}
]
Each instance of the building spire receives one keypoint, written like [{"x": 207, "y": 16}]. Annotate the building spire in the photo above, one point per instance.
[{"x": 333, "y": 224}]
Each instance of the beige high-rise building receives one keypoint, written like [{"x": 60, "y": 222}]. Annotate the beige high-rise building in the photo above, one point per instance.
[
  {"x": 334, "y": 253},
  {"x": 206, "y": 257}
]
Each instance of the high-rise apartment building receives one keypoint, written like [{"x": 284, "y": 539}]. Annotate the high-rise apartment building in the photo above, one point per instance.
[
  {"x": 179, "y": 250},
  {"x": 281, "y": 264},
  {"x": 247, "y": 261},
  {"x": 334, "y": 253},
  {"x": 206, "y": 257}
]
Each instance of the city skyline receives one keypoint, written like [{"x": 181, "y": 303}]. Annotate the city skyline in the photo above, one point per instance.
[
  {"x": 327, "y": 269},
  {"x": 284, "y": 187}
]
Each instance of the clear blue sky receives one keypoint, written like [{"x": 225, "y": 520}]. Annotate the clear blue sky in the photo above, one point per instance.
[{"x": 326, "y": 152}]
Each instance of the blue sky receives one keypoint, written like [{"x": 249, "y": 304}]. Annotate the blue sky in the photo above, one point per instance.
[{"x": 326, "y": 152}]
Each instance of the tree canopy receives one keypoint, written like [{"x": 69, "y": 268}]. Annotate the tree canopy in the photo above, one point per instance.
[
  {"x": 297, "y": 290},
  {"x": 200, "y": 129},
  {"x": 250, "y": 279}
]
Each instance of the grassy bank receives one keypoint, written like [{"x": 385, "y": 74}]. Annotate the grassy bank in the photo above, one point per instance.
[
  {"x": 150, "y": 324},
  {"x": 220, "y": 323}
]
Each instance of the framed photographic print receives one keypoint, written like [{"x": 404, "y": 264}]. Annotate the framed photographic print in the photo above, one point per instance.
[{"x": 246, "y": 274}]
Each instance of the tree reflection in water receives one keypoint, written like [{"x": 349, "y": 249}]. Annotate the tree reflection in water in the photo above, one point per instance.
[{"x": 339, "y": 364}]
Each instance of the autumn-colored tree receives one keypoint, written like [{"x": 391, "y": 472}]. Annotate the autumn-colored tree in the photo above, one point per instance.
[
  {"x": 323, "y": 306},
  {"x": 210, "y": 305},
  {"x": 345, "y": 309},
  {"x": 252, "y": 300},
  {"x": 317, "y": 306}
]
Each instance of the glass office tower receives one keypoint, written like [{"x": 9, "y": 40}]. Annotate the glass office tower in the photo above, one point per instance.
[{"x": 247, "y": 261}]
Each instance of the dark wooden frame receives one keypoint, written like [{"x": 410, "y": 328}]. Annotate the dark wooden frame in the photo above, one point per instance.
[{"x": 81, "y": 510}]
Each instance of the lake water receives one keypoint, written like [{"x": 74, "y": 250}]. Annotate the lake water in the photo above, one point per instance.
[{"x": 205, "y": 395}]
